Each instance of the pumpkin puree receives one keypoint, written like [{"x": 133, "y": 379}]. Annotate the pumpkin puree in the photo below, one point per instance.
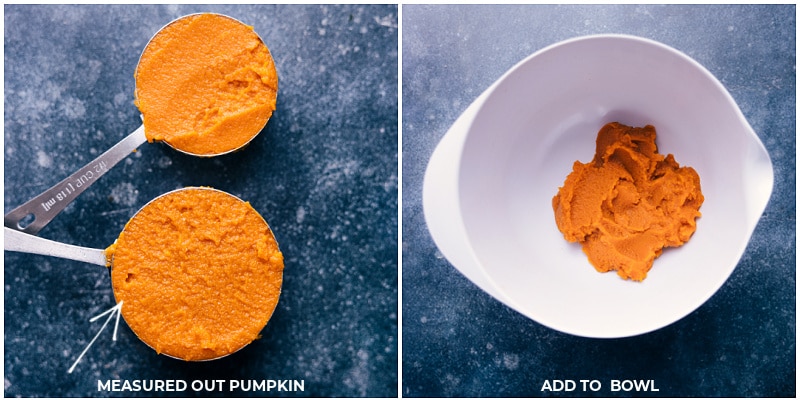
[
  {"x": 628, "y": 203},
  {"x": 199, "y": 273},
  {"x": 206, "y": 84}
]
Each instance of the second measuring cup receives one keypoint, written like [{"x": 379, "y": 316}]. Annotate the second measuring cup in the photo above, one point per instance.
[
  {"x": 206, "y": 85},
  {"x": 198, "y": 272}
]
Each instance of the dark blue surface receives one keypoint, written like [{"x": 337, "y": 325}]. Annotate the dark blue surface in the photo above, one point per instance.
[
  {"x": 459, "y": 341},
  {"x": 323, "y": 173}
]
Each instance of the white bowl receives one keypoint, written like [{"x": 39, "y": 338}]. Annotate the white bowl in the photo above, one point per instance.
[{"x": 489, "y": 184}]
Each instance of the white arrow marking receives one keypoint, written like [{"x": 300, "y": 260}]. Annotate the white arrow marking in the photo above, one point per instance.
[{"x": 116, "y": 309}]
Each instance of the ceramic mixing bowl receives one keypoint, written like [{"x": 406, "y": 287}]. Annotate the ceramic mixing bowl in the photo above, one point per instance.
[{"x": 489, "y": 184}]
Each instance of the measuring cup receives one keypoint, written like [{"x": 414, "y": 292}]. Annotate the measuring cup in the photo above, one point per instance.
[
  {"x": 196, "y": 284},
  {"x": 33, "y": 215}
]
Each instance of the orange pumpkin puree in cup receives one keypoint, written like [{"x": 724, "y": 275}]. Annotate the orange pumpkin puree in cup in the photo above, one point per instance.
[
  {"x": 629, "y": 203},
  {"x": 206, "y": 84},
  {"x": 199, "y": 273}
]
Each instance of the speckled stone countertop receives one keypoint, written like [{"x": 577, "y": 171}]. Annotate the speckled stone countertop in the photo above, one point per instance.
[
  {"x": 459, "y": 341},
  {"x": 323, "y": 173}
]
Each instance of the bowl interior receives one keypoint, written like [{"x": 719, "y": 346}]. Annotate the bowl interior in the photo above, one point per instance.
[{"x": 543, "y": 115}]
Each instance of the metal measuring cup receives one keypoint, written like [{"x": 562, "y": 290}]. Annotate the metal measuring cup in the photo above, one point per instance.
[
  {"x": 22, "y": 242},
  {"x": 36, "y": 213}
]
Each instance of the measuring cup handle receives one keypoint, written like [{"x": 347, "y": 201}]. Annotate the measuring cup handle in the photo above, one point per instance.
[
  {"x": 14, "y": 240},
  {"x": 32, "y": 216}
]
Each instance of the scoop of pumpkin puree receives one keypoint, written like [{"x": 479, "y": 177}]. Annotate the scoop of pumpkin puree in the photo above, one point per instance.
[{"x": 629, "y": 203}]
